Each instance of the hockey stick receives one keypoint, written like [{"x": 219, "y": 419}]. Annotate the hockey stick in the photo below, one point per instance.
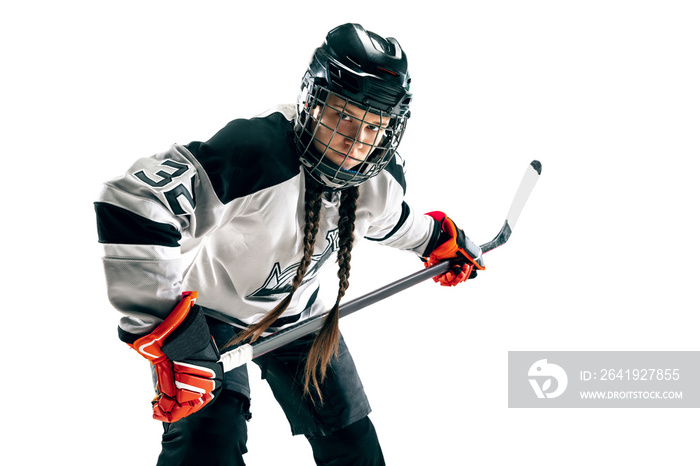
[{"x": 248, "y": 351}]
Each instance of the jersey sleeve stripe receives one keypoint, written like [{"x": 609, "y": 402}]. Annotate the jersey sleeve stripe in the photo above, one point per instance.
[
  {"x": 117, "y": 225},
  {"x": 405, "y": 211}
]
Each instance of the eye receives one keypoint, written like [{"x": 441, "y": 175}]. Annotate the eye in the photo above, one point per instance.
[{"x": 345, "y": 117}]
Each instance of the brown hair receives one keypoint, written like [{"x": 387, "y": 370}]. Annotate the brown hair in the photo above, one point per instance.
[{"x": 325, "y": 345}]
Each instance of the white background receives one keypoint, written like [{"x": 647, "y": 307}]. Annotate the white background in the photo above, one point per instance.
[{"x": 604, "y": 93}]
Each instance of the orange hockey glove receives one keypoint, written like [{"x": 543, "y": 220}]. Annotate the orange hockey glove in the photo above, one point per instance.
[
  {"x": 453, "y": 244},
  {"x": 185, "y": 359}
]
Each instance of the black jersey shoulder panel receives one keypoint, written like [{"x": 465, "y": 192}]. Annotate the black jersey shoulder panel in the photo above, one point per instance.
[{"x": 248, "y": 155}]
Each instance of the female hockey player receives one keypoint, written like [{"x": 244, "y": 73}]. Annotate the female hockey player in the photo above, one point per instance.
[{"x": 241, "y": 224}]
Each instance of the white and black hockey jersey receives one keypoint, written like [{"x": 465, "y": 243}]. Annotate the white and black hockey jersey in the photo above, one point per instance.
[{"x": 225, "y": 218}]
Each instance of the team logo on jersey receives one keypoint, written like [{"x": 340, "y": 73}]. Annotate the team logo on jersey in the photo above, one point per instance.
[{"x": 279, "y": 282}]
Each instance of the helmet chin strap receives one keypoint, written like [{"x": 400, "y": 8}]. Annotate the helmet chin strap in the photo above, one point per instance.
[
  {"x": 328, "y": 182},
  {"x": 340, "y": 168}
]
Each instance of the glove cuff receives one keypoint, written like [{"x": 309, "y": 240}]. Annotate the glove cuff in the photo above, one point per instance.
[
  {"x": 439, "y": 235},
  {"x": 127, "y": 337},
  {"x": 451, "y": 242},
  {"x": 192, "y": 339}
]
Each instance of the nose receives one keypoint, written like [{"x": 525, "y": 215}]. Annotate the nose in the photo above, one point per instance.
[{"x": 355, "y": 143}]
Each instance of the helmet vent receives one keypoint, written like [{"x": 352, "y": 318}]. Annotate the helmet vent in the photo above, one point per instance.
[
  {"x": 334, "y": 71},
  {"x": 354, "y": 62},
  {"x": 343, "y": 80}
]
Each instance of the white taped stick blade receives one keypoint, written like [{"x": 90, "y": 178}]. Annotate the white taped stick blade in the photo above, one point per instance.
[
  {"x": 236, "y": 357},
  {"x": 532, "y": 174}
]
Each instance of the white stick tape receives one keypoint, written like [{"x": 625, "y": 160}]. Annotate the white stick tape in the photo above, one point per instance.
[{"x": 237, "y": 357}]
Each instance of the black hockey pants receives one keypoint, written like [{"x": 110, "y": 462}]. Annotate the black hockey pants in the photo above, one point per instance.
[
  {"x": 217, "y": 436},
  {"x": 339, "y": 431}
]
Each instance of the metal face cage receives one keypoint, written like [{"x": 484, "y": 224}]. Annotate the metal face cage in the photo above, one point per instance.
[{"x": 341, "y": 142}]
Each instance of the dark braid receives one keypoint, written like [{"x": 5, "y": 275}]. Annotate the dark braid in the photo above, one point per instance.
[
  {"x": 325, "y": 345},
  {"x": 312, "y": 208}
]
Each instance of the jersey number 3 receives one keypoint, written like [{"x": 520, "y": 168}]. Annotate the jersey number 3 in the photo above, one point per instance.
[{"x": 165, "y": 179}]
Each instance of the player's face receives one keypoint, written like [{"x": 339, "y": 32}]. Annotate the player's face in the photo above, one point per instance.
[{"x": 347, "y": 134}]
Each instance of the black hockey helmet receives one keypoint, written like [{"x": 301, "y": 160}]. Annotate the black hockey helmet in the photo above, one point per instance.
[{"x": 362, "y": 69}]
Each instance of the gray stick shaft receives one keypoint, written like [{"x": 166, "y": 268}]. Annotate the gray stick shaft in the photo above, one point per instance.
[{"x": 289, "y": 334}]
